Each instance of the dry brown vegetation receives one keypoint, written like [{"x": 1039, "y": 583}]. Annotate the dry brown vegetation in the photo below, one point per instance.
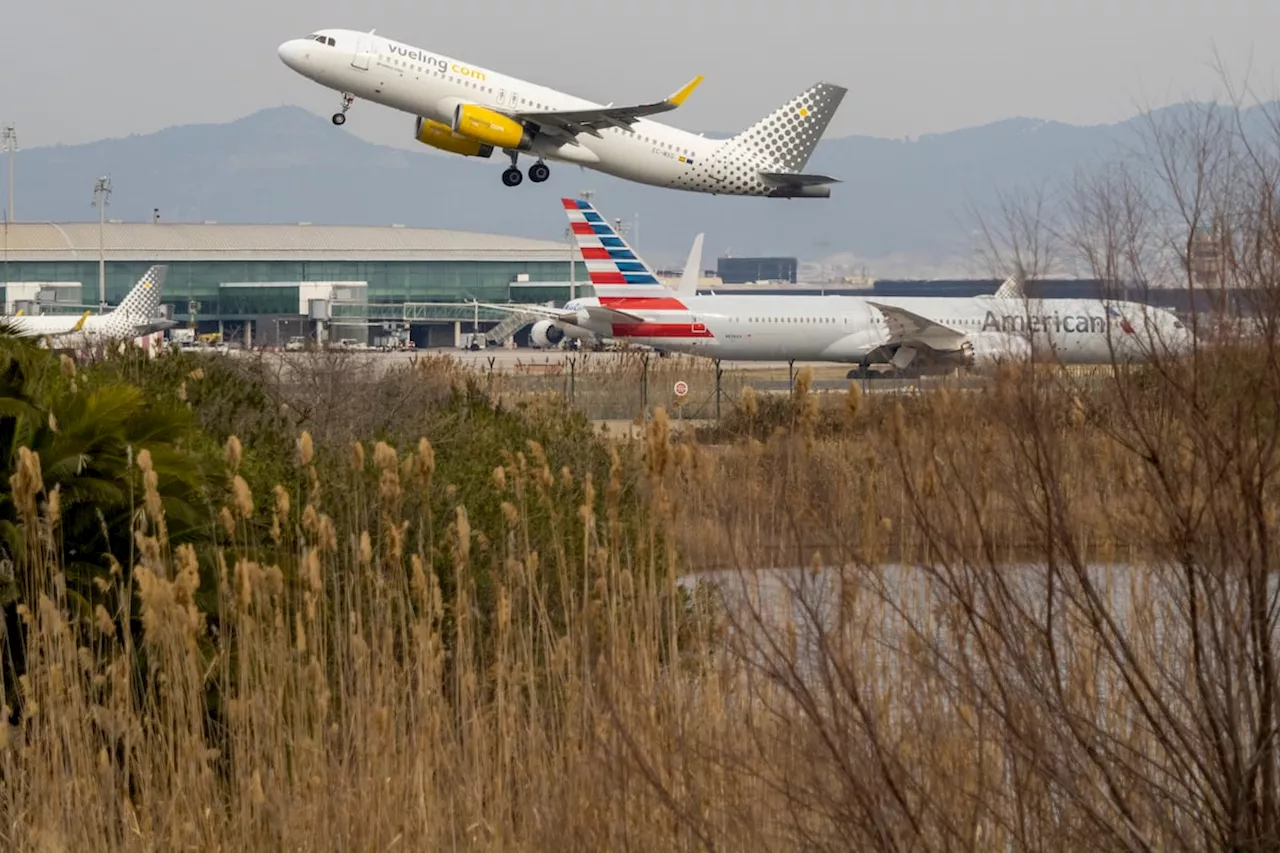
[{"x": 1038, "y": 615}]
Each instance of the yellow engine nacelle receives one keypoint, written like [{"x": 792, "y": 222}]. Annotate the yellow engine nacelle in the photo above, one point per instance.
[
  {"x": 491, "y": 128},
  {"x": 441, "y": 136}
]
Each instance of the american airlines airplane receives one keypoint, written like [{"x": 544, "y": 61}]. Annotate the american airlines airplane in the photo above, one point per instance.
[
  {"x": 921, "y": 332},
  {"x": 471, "y": 111},
  {"x": 134, "y": 316}
]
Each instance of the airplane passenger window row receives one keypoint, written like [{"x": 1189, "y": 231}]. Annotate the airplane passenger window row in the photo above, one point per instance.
[
  {"x": 666, "y": 145},
  {"x": 470, "y": 84},
  {"x": 812, "y": 320}
]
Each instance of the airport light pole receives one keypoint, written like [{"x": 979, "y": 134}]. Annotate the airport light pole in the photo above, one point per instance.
[
  {"x": 10, "y": 137},
  {"x": 101, "y": 192}
]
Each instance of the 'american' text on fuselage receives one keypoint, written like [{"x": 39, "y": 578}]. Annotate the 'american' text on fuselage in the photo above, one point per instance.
[{"x": 1042, "y": 323}]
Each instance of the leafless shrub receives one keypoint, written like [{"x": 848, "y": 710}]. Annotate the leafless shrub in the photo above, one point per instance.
[{"x": 1075, "y": 646}]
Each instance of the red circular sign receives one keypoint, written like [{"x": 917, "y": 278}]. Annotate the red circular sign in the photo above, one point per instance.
[{"x": 682, "y": 388}]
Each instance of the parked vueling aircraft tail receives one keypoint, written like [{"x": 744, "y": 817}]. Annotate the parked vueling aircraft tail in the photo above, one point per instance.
[{"x": 135, "y": 315}]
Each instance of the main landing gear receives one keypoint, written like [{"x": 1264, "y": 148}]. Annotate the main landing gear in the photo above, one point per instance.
[
  {"x": 341, "y": 118},
  {"x": 512, "y": 177}
]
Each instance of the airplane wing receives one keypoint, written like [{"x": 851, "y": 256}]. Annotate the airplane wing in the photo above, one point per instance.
[
  {"x": 905, "y": 326},
  {"x": 573, "y": 122}
]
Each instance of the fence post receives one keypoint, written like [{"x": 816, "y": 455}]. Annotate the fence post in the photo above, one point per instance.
[
  {"x": 719, "y": 374},
  {"x": 644, "y": 385}
]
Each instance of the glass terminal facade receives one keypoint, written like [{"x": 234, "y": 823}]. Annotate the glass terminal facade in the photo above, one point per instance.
[{"x": 389, "y": 283}]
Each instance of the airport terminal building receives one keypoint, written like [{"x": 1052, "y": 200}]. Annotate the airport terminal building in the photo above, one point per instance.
[
  {"x": 271, "y": 280},
  {"x": 262, "y": 284}
]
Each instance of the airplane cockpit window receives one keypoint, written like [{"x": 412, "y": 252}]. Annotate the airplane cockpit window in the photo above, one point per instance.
[{"x": 331, "y": 42}]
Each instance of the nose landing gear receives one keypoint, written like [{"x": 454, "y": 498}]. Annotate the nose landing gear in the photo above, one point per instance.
[{"x": 340, "y": 118}]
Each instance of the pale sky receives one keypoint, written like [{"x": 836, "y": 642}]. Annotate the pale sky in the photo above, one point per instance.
[{"x": 78, "y": 70}]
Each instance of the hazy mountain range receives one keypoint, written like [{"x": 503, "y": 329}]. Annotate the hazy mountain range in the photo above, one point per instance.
[{"x": 904, "y": 208}]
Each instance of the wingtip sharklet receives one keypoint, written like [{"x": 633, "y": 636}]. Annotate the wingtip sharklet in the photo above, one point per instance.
[{"x": 681, "y": 96}]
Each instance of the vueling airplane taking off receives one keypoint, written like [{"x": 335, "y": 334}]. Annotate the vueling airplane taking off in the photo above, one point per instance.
[
  {"x": 631, "y": 305},
  {"x": 471, "y": 111},
  {"x": 134, "y": 316}
]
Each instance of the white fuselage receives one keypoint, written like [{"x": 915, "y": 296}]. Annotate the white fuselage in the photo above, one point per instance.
[
  {"x": 849, "y": 329},
  {"x": 431, "y": 86},
  {"x": 64, "y": 326},
  {"x": 61, "y": 333},
  {"x": 52, "y": 324}
]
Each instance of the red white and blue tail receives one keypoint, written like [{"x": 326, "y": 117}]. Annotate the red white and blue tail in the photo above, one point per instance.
[{"x": 614, "y": 267}]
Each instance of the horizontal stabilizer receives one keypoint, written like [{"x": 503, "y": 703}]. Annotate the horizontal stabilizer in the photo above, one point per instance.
[
  {"x": 559, "y": 315},
  {"x": 607, "y": 315},
  {"x": 792, "y": 179}
]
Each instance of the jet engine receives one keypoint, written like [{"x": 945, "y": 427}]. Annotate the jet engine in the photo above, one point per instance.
[
  {"x": 545, "y": 334},
  {"x": 491, "y": 128},
  {"x": 441, "y": 136},
  {"x": 989, "y": 349}
]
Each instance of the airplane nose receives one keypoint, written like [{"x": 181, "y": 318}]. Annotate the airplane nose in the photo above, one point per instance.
[{"x": 293, "y": 52}]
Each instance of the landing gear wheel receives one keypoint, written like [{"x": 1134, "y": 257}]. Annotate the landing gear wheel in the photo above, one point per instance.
[
  {"x": 340, "y": 118},
  {"x": 539, "y": 172},
  {"x": 512, "y": 177}
]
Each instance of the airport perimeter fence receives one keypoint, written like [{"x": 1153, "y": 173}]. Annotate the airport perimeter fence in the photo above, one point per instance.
[
  {"x": 613, "y": 386},
  {"x": 626, "y": 386},
  {"x": 619, "y": 386}
]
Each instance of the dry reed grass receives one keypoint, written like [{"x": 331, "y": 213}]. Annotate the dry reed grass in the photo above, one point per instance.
[
  {"x": 340, "y": 695},
  {"x": 1040, "y": 615}
]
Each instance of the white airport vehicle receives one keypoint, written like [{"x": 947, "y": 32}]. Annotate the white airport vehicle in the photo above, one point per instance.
[
  {"x": 134, "y": 316},
  {"x": 917, "y": 332},
  {"x": 472, "y": 111}
]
